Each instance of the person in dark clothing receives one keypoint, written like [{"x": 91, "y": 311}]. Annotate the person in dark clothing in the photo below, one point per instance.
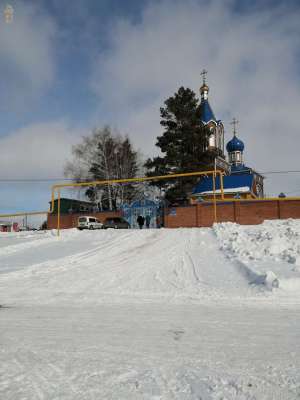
[
  {"x": 158, "y": 222},
  {"x": 140, "y": 220},
  {"x": 148, "y": 220}
]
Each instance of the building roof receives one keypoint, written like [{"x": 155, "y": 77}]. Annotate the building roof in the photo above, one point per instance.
[
  {"x": 240, "y": 168},
  {"x": 243, "y": 169},
  {"x": 243, "y": 189},
  {"x": 5, "y": 223},
  {"x": 229, "y": 182},
  {"x": 74, "y": 201},
  {"x": 206, "y": 112}
]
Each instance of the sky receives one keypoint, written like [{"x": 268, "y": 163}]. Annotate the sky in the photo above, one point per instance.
[{"x": 67, "y": 68}]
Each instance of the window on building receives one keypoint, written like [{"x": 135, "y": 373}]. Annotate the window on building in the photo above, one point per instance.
[{"x": 212, "y": 141}]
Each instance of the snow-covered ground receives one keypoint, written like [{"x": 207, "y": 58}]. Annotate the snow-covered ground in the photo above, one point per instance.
[{"x": 153, "y": 314}]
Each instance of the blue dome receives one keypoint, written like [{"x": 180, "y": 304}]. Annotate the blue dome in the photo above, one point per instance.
[{"x": 235, "y": 144}]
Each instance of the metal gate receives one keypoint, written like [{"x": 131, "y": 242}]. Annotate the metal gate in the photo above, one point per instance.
[{"x": 149, "y": 209}]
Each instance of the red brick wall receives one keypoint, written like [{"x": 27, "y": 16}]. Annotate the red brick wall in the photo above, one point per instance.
[
  {"x": 225, "y": 213},
  {"x": 202, "y": 214},
  {"x": 70, "y": 220},
  {"x": 185, "y": 217},
  {"x": 242, "y": 212},
  {"x": 289, "y": 209},
  {"x": 252, "y": 213}
]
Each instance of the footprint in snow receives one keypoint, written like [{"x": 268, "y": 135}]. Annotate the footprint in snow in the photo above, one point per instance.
[{"x": 177, "y": 334}]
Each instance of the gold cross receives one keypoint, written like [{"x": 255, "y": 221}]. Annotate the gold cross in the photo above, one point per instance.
[
  {"x": 203, "y": 74},
  {"x": 234, "y": 122}
]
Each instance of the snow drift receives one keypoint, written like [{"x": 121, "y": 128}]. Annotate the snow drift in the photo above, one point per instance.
[{"x": 269, "y": 254}]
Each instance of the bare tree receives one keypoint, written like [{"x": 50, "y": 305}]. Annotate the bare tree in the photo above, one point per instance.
[{"x": 105, "y": 156}]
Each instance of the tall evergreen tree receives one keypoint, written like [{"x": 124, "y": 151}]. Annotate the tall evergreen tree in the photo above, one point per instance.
[{"x": 183, "y": 144}]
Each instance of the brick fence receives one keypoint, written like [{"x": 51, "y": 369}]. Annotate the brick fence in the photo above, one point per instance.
[
  {"x": 202, "y": 214},
  {"x": 242, "y": 212}
]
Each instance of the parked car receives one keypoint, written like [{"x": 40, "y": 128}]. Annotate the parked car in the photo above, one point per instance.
[
  {"x": 116, "y": 223},
  {"x": 87, "y": 222}
]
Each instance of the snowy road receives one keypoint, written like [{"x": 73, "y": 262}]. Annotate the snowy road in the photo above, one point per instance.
[
  {"x": 149, "y": 351},
  {"x": 162, "y": 314}
]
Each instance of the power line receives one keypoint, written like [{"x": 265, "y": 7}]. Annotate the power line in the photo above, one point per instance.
[
  {"x": 293, "y": 191},
  {"x": 280, "y": 172},
  {"x": 21, "y": 180}
]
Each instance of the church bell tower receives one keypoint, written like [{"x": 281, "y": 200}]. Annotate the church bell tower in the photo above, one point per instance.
[
  {"x": 215, "y": 145},
  {"x": 216, "y": 128}
]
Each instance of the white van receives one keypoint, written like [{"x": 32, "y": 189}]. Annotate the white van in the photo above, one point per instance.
[{"x": 87, "y": 222}]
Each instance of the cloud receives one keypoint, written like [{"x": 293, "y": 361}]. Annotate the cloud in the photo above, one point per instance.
[
  {"x": 37, "y": 151},
  {"x": 253, "y": 63},
  {"x": 27, "y": 59}
]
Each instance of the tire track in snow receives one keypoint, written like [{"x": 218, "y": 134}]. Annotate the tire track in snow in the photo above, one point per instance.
[
  {"x": 62, "y": 263},
  {"x": 183, "y": 264},
  {"x": 15, "y": 248},
  {"x": 43, "y": 376}
]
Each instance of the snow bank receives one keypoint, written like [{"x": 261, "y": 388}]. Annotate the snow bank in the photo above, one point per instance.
[{"x": 269, "y": 254}]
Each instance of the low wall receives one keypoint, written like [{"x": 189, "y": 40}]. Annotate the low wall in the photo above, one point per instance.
[
  {"x": 70, "y": 220},
  {"x": 181, "y": 216},
  {"x": 202, "y": 214},
  {"x": 241, "y": 212}
]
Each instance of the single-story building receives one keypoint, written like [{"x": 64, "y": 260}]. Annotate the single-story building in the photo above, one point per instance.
[
  {"x": 73, "y": 206},
  {"x": 7, "y": 226}
]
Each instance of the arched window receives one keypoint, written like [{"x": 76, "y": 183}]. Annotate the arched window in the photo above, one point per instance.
[{"x": 212, "y": 141}]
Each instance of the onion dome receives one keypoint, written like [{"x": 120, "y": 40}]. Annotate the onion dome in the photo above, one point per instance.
[
  {"x": 235, "y": 144},
  {"x": 204, "y": 90}
]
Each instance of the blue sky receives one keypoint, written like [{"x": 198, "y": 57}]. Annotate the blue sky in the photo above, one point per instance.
[{"x": 67, "y": 67}]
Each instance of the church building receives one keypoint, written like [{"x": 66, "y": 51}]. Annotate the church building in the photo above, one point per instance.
[{"x": 239, "y": 181}]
